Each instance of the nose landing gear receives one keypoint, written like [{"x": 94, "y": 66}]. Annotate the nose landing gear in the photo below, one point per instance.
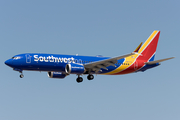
[
  {"x": 20, "y": 71},
  {"x": 21, "y": 75}
]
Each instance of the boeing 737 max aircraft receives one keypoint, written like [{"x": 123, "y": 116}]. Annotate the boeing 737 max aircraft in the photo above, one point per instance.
[{"x": 60, "y": 66}]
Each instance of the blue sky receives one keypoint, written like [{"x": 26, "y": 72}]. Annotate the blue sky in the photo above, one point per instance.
[{"x": 96, "y": 27}]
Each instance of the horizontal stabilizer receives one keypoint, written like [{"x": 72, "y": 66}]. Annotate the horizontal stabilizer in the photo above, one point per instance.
[{"x": 158, "y": 61}]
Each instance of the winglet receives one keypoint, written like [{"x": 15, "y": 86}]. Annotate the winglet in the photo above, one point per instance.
[{"x": 137, "y": 49}]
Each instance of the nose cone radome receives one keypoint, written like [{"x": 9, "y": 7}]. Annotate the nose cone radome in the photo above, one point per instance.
[{"x": 8, "y": 62}]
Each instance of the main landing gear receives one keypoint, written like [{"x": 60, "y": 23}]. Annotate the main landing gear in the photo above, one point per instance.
[
  {"x": 90, "y": 77},
  {"x": 80, "y": 79}
]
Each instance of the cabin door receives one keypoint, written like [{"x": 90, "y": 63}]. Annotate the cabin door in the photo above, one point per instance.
[
  {"x": 28, "y": 58},
  {"x": 135, "y": 65}
]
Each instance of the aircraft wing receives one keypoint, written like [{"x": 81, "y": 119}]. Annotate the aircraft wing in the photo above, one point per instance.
[
  {"x": 158, "y": 61},
  {"x": 96, "y": 66}
]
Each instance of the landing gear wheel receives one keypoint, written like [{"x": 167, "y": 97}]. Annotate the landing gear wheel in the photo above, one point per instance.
[
  {"x": 79, "y": 79},
  {"x": 90, "y": 77},
  {"x": 21, "y": 76}
]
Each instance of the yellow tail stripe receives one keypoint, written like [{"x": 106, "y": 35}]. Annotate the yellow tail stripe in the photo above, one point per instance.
[{"x": 148, "y": 41}]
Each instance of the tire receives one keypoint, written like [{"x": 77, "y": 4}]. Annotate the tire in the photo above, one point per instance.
[
  {"x": 90, "y": 77},
  {"x": 21, "y": 76},
  {"x": 79, "y": 79}
]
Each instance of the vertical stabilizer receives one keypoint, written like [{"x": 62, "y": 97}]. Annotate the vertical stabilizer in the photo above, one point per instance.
[{"x": 148, "y": 49}]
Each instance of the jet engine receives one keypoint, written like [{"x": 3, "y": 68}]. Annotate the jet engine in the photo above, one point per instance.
[
  {"x": 73, "y": 68},
  {"x": 56, "y": 75}
]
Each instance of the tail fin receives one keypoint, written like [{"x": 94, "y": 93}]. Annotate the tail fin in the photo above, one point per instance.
[{"x": 148, "y": 49}]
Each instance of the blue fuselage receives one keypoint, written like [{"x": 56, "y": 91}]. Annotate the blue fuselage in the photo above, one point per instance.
[{"x": 53, "y": 62}]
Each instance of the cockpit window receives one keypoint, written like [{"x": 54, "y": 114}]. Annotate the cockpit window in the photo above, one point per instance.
[{"x": 15, "y": 58}]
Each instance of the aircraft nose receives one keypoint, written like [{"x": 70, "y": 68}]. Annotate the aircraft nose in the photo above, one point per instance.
[{"x": 8, "y": 62}]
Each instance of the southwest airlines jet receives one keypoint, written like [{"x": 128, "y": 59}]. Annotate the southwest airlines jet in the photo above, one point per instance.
[{"x": 60, "y": 66}]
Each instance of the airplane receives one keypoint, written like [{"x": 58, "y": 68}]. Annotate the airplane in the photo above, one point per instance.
[{"x": 60, "y": 66}]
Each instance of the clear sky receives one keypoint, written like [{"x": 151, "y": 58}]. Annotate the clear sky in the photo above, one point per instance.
[{"x": 89, "y": 27}]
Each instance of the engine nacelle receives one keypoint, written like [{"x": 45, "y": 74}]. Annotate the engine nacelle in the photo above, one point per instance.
[
  {"x": 73, "y": 68},
  {"x": 56, "y": 75}
]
